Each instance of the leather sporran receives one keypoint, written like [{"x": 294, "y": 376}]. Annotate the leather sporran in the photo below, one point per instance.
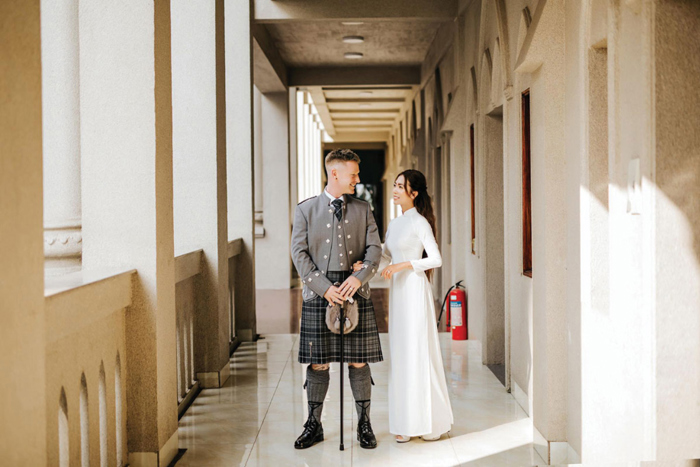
[{"x": 351, "y": 313}]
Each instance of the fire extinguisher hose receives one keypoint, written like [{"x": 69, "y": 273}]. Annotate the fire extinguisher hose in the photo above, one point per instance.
[{"x": 442, "y": 307}]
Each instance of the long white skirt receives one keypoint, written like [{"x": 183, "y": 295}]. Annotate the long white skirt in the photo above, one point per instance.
[{"x": 419, "y": 404}]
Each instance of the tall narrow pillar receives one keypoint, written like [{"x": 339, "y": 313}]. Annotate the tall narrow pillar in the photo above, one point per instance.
[
  {"x": 127, "y": 180},
  {"x": 63, "y": 242},
  {"x": 239, "y": 156},
  {"x": 22, "y": 341},
  {"x": 199, "y": 173},
  {"x": 258, "y": 165},
  {"x": 273, "y": 252}
]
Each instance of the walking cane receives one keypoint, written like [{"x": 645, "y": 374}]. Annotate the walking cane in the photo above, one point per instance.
[{"x": 342, "y": 355}]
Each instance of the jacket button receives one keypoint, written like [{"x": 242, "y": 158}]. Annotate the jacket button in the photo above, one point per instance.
[
  {"x": 328, "y": 225},
  {"x": 325, "y": 256},
  {"x": 348, "y": 236}
]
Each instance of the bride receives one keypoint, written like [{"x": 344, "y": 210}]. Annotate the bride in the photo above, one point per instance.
[{"x": 418, "y": 401}]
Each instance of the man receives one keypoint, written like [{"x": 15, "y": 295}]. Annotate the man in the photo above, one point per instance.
[{"x": 331, "y": 232}]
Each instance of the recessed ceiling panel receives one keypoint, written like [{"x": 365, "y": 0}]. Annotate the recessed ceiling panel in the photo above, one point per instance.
[{"x": 320, "y": 43}]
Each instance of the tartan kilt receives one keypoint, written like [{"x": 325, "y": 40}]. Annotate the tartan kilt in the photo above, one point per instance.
[{"x": 317, "y": 344}]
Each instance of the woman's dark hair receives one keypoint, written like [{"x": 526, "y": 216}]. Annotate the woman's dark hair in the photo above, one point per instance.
[{"x": 415, "y": 182}]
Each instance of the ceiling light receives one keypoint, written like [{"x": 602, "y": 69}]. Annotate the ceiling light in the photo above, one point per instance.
[
  {"x": 365, "y": 105},
  {"x": 353, "y": 39},
  {"x": 351, "y": 23},
  {"x": 365, "y": 93},
  {"x": 353, "y": 55}
]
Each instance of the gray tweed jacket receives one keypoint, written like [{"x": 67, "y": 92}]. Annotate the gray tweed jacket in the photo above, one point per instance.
[{"x": 311, "y": 243}]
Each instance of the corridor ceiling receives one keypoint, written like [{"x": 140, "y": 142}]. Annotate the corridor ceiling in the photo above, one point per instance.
[
  {"x": 316, "y": 43},
  {"x": 357, "y": 98}
]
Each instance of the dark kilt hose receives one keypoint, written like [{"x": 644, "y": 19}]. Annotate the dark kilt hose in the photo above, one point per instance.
[{"x": 317, "y": 344}]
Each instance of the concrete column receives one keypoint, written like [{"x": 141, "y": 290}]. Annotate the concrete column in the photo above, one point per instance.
[
  {"x": 239, "y": 156},
  {"x": 293, "y": 149},
  {"x": 199, "y": 174},
  {"x": 61, "y": 113},
  {"x": 273, "y": 253},
  {"x": 22, "y": 334},
  {"x": 258, "y": 156},
  {"x": 126, "y": 132}
]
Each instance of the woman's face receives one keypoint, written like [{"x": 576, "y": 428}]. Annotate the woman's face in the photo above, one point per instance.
[{"x": 403, "y": 195}]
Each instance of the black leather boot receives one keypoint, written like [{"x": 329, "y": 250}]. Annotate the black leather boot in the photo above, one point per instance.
[
  {"x": 365, "y": 435},
  {"x": 313, "y": 430}
]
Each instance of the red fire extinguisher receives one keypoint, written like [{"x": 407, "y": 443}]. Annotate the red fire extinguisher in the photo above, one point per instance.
[{"x": 456, "y": 318}]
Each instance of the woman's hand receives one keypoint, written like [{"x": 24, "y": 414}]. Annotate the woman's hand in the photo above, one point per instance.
[
  {"x": 394, "y": 268},
  {"x": 357, "y": 266}
]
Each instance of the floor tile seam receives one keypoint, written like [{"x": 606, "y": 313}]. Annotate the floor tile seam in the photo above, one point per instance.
[
  {"x": 454, "y": 449},
  {"x": 257, "y": 435}
]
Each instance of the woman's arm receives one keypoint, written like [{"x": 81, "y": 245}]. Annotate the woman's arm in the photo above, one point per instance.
[{"x": 425, "y": 233}]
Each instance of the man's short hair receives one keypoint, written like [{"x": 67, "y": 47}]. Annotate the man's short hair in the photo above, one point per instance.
[{"x": 341, "y": 155}]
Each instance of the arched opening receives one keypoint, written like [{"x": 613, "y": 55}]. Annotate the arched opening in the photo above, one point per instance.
[
  {"x": 84, "y": 424},
  {"x": 102, "y": 395},
  {"x": 118, "y": 411},
  {"x": 63, "y": 446},
  {"x": 492, "y": 245}
]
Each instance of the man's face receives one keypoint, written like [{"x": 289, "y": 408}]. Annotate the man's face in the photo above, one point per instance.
[{"x": 348, "y": 175}]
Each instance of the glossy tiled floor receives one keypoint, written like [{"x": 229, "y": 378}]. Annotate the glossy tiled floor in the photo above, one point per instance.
[{"x": 256, "y": 417}]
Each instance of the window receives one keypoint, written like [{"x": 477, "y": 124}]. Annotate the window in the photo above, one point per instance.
[{"x": 527, "y": 193}]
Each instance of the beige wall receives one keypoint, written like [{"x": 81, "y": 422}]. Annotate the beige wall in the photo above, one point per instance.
[{"x": 590, "y": 340}]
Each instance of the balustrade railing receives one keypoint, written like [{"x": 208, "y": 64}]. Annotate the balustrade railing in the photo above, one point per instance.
[
  {"x": 187, "y": 269},
  {"x": 86, "y": 360},
  {"x": 85, "y": 369}
]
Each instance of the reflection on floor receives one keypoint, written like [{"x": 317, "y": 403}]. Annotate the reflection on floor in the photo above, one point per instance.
[{"x": 256, "y": 417}]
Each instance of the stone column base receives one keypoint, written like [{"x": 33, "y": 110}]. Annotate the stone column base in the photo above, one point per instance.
[
  {"x": 554, "y": 452},
  {"x": 161, "y": 458},
  {"x": 214, "y": 379}
]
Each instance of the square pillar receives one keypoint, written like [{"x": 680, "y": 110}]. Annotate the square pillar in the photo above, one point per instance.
[
  {"x": 239, "y": 156},
  {"x": 127, "y": 193},
  {"x": 199, "y": 172},
  {"x": 273, "y": 252},
  {"x": 22, "y": 333}
]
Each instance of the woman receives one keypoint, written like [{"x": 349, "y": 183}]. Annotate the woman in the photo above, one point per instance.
[{"x": 418, "y": 401}]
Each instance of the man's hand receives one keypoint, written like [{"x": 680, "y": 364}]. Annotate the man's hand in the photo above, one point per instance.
[
  {"x": 333, "y": 295},
  {"x": 349, "y": 287}
]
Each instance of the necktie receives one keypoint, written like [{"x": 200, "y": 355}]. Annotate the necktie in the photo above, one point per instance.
[{"x": 338, "y": 205}]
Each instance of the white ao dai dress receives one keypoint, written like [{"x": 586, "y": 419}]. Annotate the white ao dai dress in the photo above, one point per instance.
[{"x": 419, "y": 404}]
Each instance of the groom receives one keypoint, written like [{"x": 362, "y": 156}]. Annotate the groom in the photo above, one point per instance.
[{"x": 331, "y": 232}]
